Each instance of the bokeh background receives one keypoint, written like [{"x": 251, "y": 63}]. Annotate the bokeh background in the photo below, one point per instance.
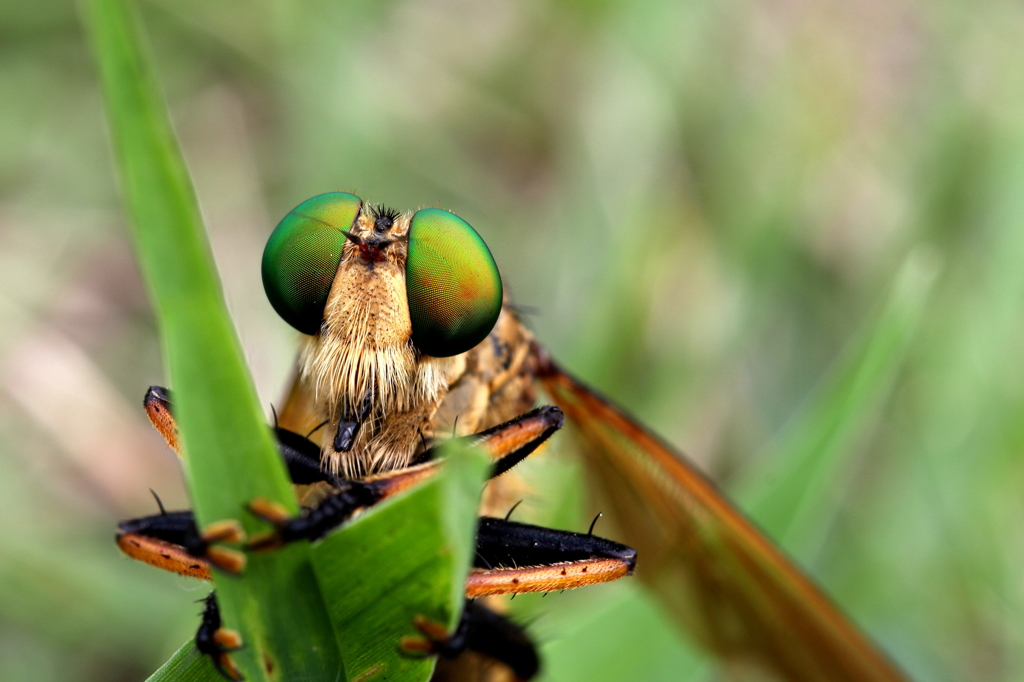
[{"x": 702, "y": 206}]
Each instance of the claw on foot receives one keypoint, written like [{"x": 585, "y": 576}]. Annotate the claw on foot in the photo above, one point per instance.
[
  {"x": 434, "y": 631},
  {"x": 416, "y": 646},
  {"x": 228, "y": 560},
  {"x": 228, "y": 639},
  {"x": 225, "y": 665},
  {"x": 434, "y": 640},
  {"x": 273, "y": 513},
  {"x": 218, "y": 642},
  {"x": 227, "y": 530},
  {"x": 264, "y": 542}
]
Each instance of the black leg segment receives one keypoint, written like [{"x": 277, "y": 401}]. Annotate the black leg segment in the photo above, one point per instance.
[
  {"x": 508, "y": 543},
  {"x": 483, "y": 631},
  {"x": 217, "y": 642},
  {"x": 302, "y": 456},
  {"x": 500, "y": 638}
]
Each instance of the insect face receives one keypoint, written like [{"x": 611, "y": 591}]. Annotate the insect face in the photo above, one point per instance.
[{"x": 391, "y": 301}]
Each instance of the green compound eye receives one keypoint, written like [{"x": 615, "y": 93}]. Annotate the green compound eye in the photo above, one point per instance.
[
  {"x": 453, "y": 285},
  {"x": 302, "y": 256}
]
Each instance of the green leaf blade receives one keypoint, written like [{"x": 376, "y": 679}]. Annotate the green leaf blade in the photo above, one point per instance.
[
  {"x": 404, "y": 558},
  {"x": 186, "y": 665},
  {"x": 230, "y": 457}
]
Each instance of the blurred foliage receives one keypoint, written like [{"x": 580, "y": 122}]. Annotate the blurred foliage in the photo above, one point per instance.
[{"x": 704, "y": 203}]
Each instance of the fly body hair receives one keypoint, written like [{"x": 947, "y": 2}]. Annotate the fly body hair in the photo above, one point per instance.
[{"x": 365, "y": 355}]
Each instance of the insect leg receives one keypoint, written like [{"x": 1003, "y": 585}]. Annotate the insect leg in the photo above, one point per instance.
[
  {"x": 515, "y": 440},
  {"x": 484, "y": 631},
  {"x": 218, "y": 642},
  {"x": 158, "y": 408},
  {"x": 171, "y": 541},
  {"x": 515, "y": 557},
  {"x": 301, "y": 455},
  {"x": 313, "y": 523},
  {"x": 510, "y": 442}
]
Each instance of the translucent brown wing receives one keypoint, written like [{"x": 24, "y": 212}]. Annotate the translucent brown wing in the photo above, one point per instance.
[{"x": 734, "y": 589}]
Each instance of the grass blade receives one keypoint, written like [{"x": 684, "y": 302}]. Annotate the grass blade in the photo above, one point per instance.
[
  {"x": 807, "y": 459},
  {"x": 406, "y": 557},
  {"x": 187, "y": 665},
  {"x": 230, "y": 456}
]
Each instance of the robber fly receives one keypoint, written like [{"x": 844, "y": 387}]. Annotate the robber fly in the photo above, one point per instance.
[{"x": 406, "y": 331}]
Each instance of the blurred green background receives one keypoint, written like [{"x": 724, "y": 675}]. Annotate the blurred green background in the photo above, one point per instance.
[{"x": 703, "y": 205}]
